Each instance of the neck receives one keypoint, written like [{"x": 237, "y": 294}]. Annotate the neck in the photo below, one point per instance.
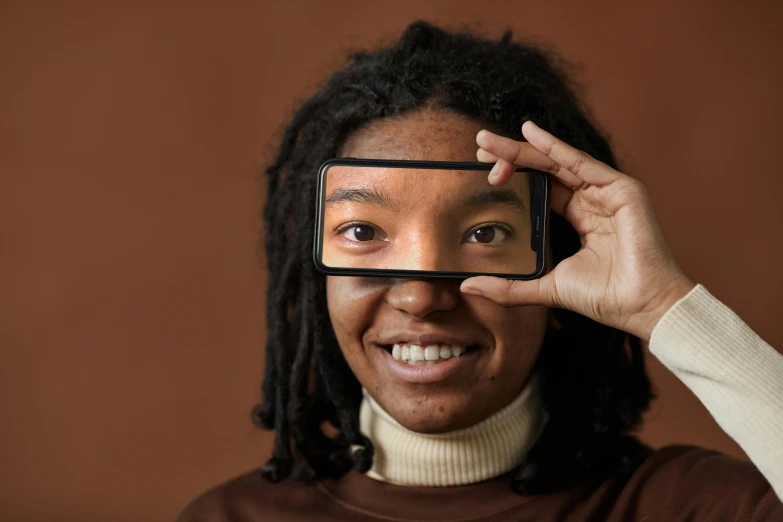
[{"x": 485, "y": 450}]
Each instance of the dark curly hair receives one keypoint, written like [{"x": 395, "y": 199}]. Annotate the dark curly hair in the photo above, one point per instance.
[{"x": 594, "y": 384}]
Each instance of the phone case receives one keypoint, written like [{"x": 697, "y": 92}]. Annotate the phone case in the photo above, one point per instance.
[{"x": 539, "y": 216}]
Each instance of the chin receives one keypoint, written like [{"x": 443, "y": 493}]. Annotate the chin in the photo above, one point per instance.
[
  {"x": 429, "y": 415},
  {"x": 429, "y": 425}
]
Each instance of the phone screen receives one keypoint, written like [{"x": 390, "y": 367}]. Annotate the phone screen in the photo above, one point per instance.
[{"x": 428, "y": 219}]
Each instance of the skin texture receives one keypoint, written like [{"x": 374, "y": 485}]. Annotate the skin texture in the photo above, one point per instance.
[{"x": 365, "y": 310}]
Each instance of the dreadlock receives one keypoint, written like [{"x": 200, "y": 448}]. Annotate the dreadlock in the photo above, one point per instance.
[{"x": 594, "y": 384}]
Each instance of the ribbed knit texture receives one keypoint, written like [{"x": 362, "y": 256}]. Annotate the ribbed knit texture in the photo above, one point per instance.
[
  {"x": 490, "y": 448},
  {"x": 733, "y": 372}
]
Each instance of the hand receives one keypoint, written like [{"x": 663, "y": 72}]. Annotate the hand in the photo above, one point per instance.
[{"x": 624, "y": 275}]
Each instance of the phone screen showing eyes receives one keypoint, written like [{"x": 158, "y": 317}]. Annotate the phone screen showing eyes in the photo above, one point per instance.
[{"x": 429, "y": 219}]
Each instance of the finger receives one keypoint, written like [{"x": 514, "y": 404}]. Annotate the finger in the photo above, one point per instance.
[
  {"x": 485, "y": 157},
  {"x": 507, "y": 293},
  {"x": 524, "y": 155},
  {"x": 561, "y": 194},
  {"x": 516, "y": 152},
  {"x": 560, "y": 197},
  {"x": 578, "y": 163},
  {"x": 501, "y": 172}
]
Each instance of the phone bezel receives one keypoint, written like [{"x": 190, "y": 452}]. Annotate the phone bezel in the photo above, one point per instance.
[{"x": 540, "y": 205}]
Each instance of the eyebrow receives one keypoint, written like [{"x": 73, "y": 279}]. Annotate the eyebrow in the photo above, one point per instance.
[
  {"x": 476, "y": 199},
  {"x": 359, "y": 195},
  {"x": 489, "y": 196}
]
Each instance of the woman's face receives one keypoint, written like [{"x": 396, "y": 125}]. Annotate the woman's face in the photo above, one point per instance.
[{"x": 371, "y": 315}]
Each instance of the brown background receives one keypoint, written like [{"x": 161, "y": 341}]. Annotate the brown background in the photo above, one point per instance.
[{"x": 131, "y": 295}]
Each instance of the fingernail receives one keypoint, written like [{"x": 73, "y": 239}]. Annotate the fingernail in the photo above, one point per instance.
[{"x": 471, "y": 290}]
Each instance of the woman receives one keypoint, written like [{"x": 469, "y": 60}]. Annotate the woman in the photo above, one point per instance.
[{"x": 536, "y": 425}]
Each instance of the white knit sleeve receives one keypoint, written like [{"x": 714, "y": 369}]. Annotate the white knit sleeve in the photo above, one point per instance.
[{"x": 735, "y": 374}]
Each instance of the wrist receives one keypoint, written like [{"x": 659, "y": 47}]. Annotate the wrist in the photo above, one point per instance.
[{"x": 664, "y": 301}]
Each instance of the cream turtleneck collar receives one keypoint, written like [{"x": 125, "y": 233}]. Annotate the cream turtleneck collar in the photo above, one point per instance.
[{"x": 490, "y": 448}]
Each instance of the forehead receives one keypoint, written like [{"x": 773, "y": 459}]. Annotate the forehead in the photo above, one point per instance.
[
  {"x": 408, "y": 181},
  {"x": 402, "y": 179},
  {"x": 422, "y": 135}
]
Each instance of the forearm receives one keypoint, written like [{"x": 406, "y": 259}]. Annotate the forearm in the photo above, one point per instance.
[{"x": 735, "y": 374}]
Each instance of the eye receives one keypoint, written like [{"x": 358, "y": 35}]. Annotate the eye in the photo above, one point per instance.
[
  {"x": 360, "y": 233},
  {"x": 488, "y": 234}
]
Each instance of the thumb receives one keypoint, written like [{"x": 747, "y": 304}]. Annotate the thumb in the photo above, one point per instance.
[{"x": 508, "y": 292}]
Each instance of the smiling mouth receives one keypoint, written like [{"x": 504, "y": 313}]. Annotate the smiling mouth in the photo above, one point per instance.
[{"x": 426, "y": 355}]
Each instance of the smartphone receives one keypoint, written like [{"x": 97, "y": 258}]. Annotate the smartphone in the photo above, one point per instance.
[{"x": 429, "y": 219}]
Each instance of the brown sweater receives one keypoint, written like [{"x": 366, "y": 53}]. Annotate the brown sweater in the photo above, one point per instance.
[{"x": 676, "y": 483}]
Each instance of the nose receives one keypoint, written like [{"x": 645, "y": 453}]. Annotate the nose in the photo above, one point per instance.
[
  {"x": 422, "y": 298},
  {"x": 424, "y": 251}
]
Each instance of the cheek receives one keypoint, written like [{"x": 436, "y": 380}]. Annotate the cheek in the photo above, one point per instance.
[
  {"x": 351, "y": 302},
  {"x": 518, "y": 332}
]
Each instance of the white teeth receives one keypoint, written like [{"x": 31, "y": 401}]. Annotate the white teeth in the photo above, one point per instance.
[
  {"x": 431, "y": 353},
  {"x": 425, "y": 356}
]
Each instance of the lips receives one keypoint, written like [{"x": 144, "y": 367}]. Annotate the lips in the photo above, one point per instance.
[
  {"x": 417, "y": 369},
  {"x": 427, "y": 356}
]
